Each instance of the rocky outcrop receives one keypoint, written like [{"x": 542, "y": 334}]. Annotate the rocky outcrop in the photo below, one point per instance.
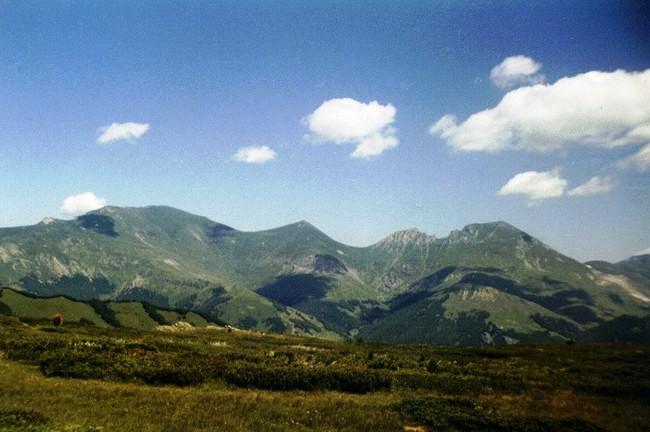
[
  {"x": 316, "y": 264},
  {"x": 411, "y": 236}
]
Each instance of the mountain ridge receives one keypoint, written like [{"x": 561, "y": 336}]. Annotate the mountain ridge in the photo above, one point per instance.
[
  {"x": 297, "y": 279},
  {"x": 300, "y": 223}
]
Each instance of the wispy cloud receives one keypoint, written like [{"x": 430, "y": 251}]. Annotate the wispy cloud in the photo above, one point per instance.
[
  {"x": 122, "y": 131},
  {"x": 595, "y": 185},
  {"x": 348, "y": 121},
  {"x": 75, "y": 205},
  {"x": 516, "y": 70},
  {"x": 639, "y": 161},
  {"x": 255, "y": 155}
]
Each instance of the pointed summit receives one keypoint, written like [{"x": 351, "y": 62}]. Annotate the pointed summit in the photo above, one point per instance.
[
  {"x": 490, "y": 230},
  {"x": 411, "y": 236},
  {"x": 47, "y": 220}
]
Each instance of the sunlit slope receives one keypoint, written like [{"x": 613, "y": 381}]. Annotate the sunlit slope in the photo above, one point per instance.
[
  {"x": 296, "y": 279},
  {"x": 128, "y": 314},
  {"x": 158, "y": 254}
]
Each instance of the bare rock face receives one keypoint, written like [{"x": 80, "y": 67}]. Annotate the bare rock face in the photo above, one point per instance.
[
  {"x": 411, "y": 236},
  {"x": 316, "y": 264},
  {"x": 388, "y": 282}
]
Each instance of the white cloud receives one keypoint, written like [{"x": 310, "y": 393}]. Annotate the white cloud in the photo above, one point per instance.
[
  {"x": 596, "y": 185},
  {"x": 598, "y": 109},
  {"x": 347, "y": 121},
  {"x": 445, "y": 123},
  {"x": 643, "y": 252},
  {"x": 535, "y": 185},
  {"x": 122, "y": 131},
  {"x": 639, "y": 160},
  {"x": 255, "y": 155},
  {"x": 516, "y": 70},
  {"x": 374, "y": 145},
  {"x": 75, "y": 205}
]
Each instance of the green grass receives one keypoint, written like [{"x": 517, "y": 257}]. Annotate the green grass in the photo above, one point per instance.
[
  {"x": 85, "y": 377},
  {"x": 133, "y": 315},
  {"x": 42, "y": 308},
  {"x": 130, "y": 314}
]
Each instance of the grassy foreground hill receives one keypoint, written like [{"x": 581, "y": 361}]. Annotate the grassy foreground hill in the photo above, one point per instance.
[
  {"x": 87, "y": 378},
  {"x": 128, "y": 314},
  {"x": 485, "y": 283}
]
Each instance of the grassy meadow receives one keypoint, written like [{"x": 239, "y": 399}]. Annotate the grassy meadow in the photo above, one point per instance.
[{"x": 89, "y": 378}]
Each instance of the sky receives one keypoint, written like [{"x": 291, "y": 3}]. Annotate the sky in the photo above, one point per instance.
[{"x": 361, "y": 117}]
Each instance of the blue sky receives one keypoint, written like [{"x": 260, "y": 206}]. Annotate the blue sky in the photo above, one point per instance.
[{"x": 212, "y": 78}]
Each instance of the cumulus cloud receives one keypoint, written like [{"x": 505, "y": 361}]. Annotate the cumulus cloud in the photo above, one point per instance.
[
  {"x": 597, "y": 109},
  {"x": 640, "y": 160},
  {"x": 374, "y": 145},
  {"x": 596, "y": 185},
  {"x": 537, "y": 186},
  {"x": 75, "y": 205},
  {"x": 516, "y": 70},
  {"x": 255, "y": 155},
  {"x": 122, "y": 131},
  {"x": 348, "y": 121}
]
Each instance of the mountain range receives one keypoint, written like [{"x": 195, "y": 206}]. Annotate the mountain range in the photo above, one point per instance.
[{"x": 484, "y": 283}]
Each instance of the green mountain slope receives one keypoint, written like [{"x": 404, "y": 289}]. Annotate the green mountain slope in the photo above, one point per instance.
[
  {"x": 128, "y": 314},
  {"x": 636, "y": 267},
  {"x": 459, "y": 305},
  {"x": 484, "y": 283},
  {"x": 157, "y": 254}
]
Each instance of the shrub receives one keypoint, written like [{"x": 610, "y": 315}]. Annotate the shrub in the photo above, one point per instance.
[
  {"x": 5, "y": 309},
  {"x": 57, "y": 320},
  {"x": 86, "y": 322},
  {"x": 154, "y": 314},
  {"x": 463, "y": 414},
  {"x": 302, "y": 378},
  {"x": 432, "y": 366},
  {"x": 104, "y": 311},
  {"x": 21, "y": 418},
  {"x": 30, "y": 350},
  {"x": 384, "y": 362}
]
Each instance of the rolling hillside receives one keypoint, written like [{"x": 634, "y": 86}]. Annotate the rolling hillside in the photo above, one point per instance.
[
  {"x": 128, "y": 314},
  {"x": 485, "y": 283}
]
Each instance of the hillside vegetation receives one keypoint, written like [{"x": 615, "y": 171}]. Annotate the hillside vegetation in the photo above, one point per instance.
[
  {"x": 130, "y": 314},
  {"x": 485, "y": 283},
  {"x": 206, "y": 379}
]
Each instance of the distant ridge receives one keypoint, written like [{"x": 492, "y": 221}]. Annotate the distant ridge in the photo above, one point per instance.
[{"x": 484, "y": 283}]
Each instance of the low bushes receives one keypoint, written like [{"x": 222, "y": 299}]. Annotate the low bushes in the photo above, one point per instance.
[
  {"x": 16, "y": 418},
  {"x": 30, "y": 350},
  {"x": 283, "y": 363},
  {"x": 463, "y": 414},
  {"x": 163, "y": 368},
  {"x": 183, "y": 364},
  {"x": 302, "y": 378}
]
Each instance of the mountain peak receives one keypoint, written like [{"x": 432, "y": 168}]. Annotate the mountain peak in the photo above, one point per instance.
[
  {"x": 638, "y": 259},
  {"x": 489, "y": 230},
  {"x": 407, "y": 237},
  {"x": 301, "y": 224},
  {"x": 490, "y": 226},
  {"x": 48, "y": 220}
]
